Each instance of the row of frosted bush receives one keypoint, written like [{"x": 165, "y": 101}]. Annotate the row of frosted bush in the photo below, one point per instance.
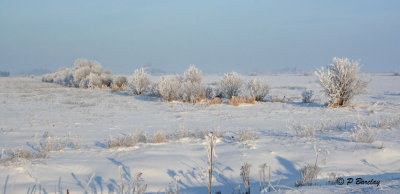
[
  {"x": 187, "y": 87},
  {"x": 341, "y": 82},
  {"x": 190, "y": 88},
  {"x": 85, "y": 74}
]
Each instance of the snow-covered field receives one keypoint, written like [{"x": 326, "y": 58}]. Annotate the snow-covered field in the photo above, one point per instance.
[{"x": 81, "y": 121}]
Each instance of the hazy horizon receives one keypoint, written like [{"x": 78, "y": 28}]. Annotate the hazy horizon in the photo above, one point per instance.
[{"x": 216, "y": 36}]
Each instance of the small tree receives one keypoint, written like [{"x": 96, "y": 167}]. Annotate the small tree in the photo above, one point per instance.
[
  {"x": 257, "y": 89},
  {"x": 193, "y": 75},
  {"x": 170, "y": 87},
  {"x": 231, "y": 85},
  {"x": 192, "y": 88},
  {"x": 140, "y": 81},
  {"x": 341, "y": 82},
  {"x": 191, "y": 92}
]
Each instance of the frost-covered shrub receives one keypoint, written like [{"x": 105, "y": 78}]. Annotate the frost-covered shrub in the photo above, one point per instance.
[
  {"x": 341, "y": 82},
  {"x": 170, "y": 87},
  {"x": 363, "y": 133},
  {"x": 106, "y": 80},
  {"x": 192, "y": 91},
  {"x": 213, "y": 92},
  {"x": 48, "y": 78},
  {"x": 80, "y": 74},
  {"x": 119, "y": 81},
  {"x": 231, "y": 85},
  {"x": 307, "y": 96},
  {"x": 82, "y": 68},
  {"x": 308, "y": 173},
  {"x": 94, "y": 81},
  {"x": 140, "y": 81},
  {"x": 63, "y": 76},
  {"x": 193, "y": 75},
  {"x": 85, "y": 74},
  {"x": 192, "y": 88},
  {"x": 153, "y": 90},
  {"x": 257, "y": 89}
]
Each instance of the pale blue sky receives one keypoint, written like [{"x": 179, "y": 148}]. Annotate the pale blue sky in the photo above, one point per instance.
[{"x": 215, "y": 35}]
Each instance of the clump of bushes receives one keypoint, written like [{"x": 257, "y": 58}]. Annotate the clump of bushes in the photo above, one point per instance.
[
  {"x": 187, "y": 88},
  {"x": 342, "y": 81},
  {"x": 84, "y": 74},
  {"x": 233, "y": 87}
]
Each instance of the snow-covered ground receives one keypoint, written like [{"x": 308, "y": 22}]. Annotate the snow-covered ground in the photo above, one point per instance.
[{"x": 33, "y": 112}]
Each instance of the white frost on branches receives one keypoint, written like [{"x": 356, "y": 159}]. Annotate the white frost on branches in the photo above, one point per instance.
[
  {"x": 258, "y": 89},
  {"x": 170, "y": 87},
  {"x": 231, "y": 85},
  {"x": 140, "y": 81},
  {"x": 341, "y": 82},
  {"x": 193, "y": 75},
  {"x": 193, "y": 88},
  {"x": 84, "y": 74}
]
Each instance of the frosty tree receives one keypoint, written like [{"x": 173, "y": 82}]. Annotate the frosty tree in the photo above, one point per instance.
[
  {"x": 231, "y": 85},
  {"x": 258, "y": 89},
  {"x": 193, "y": 89},
  {"x": 140, "y": 81},
  {"x": 341, "y": 82},
  {"x": 193, "y": 75},
  {"x": 170, "y": 87}
]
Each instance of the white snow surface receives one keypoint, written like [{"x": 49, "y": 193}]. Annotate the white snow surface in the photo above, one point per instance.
[{"x": 30, "y": 108}]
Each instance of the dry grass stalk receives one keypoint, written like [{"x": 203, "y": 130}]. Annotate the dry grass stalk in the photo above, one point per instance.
[
  {"x": 251, "y": 100},
  {"x": 159, "y": 137},
  {"x": 119, "y": 88},
  {"x": 139, "y": 186},
  {"x": 236, "y": 101},
  {"x": 364, "y": 133},
  {"x": 211, "y": 139},
  {"x": 201, "y": 98},
  {"x": 122, "y": 179},
  {"x": 245, "y": 174},
  {"x": 216, "y": 101},
  {"x": 309, "y": 172},
  {"x": 278, "y": 100}
]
